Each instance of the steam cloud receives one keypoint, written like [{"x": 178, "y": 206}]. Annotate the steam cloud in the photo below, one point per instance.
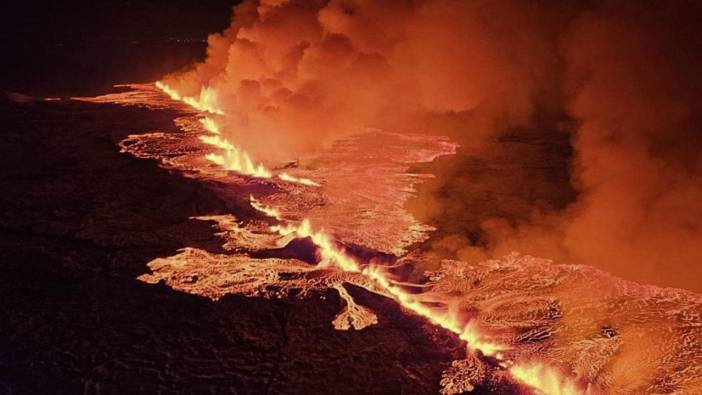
[{"x": 620, "y": 78}]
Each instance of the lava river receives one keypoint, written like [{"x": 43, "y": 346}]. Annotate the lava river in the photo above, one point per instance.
[{"x": 336, "y": 221}]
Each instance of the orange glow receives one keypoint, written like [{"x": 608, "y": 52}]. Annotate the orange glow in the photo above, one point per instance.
[
  {"x": 233, "y": 158},
  {"x": 540, "y": 377},
  {"x": 331, "y": 255},
  {"x": 298, "y": 180},
  {"x": 269, "y": 211},
  {"x": 217, "y": 141},
  {"x": 210, "y": 125},
  {"x": 545, "y": 379},
  {"x": 207, "y": 102}
]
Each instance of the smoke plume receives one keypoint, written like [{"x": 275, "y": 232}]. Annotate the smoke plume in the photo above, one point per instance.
[
  {"x": 631, "y": 102},
  {"x": 293, "y": 75},
  {"x": 636, "y": 94},
  {"x": 609, "y": 93}
]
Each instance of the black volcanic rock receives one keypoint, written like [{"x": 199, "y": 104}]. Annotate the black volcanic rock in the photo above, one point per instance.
[{"x": 79, "y": 222}]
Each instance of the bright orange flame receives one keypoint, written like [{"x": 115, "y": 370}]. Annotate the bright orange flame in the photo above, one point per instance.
[
  {"x": 233, "y": 158},
  {"x": 210, "y": 125},
  {"x": 269, "y": 211},
  {"x": 217, "y": 141},
  {"x": 299, "y": 180},
  {"x": 545, "y": 379},
  {"x": 329, "y": 254},
  {"x": 207, "y": 102}
]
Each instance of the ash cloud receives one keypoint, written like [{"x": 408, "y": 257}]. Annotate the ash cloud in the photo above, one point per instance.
[{"x": 613, "y": 87}]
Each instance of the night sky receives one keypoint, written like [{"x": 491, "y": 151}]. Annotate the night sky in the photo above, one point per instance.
[
  {"x": 81, "y": 19},
  {"x": 81, "y": 46}
]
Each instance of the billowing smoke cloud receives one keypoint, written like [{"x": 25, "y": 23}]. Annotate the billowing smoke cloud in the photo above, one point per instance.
[
  {"x": 617, "y": 83},
  {"x": 293, "y": 74},
  {"x": 637, "y": 97},
  {"x": 633, "y": 99}
]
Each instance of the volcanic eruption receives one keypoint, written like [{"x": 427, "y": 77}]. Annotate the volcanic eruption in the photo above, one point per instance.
[{"x": 506, "y": 178}]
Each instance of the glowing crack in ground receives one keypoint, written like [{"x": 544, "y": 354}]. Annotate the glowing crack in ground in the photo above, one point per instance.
[{"x": 558, "y": 329}]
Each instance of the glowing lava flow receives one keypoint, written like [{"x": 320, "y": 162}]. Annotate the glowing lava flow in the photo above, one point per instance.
[
  {"x": 269, "y": 211},
  {"x": 210, "y": 125},
  {"x": 540, "y": 377},
  {"x": 333, "y": 256},
  {"x": 207, "y": 102},
  {"x": 233, "y": 158},
  {"x": 299, "y": 180},
  {"x": 546, "y": 379}
]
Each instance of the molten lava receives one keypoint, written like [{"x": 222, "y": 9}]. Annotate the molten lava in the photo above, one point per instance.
[
  {"x": 331, "y": 255},
  {"x": 207, "y": 102},
  {"x": 299, "y": 180},
  {"x": 546, "y": 379},
  {"x": 210, "y": 125},
  {"x": 231, "y": 158},
  {"x": 549, "y": 327}
]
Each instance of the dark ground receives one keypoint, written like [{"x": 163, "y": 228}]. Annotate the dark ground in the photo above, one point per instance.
[
  {"x": 79, "y": 222},
  {"x": 82, "y": 47}
]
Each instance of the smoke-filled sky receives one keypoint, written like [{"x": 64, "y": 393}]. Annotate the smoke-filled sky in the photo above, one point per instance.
[{"x": 618, "y": 80}]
